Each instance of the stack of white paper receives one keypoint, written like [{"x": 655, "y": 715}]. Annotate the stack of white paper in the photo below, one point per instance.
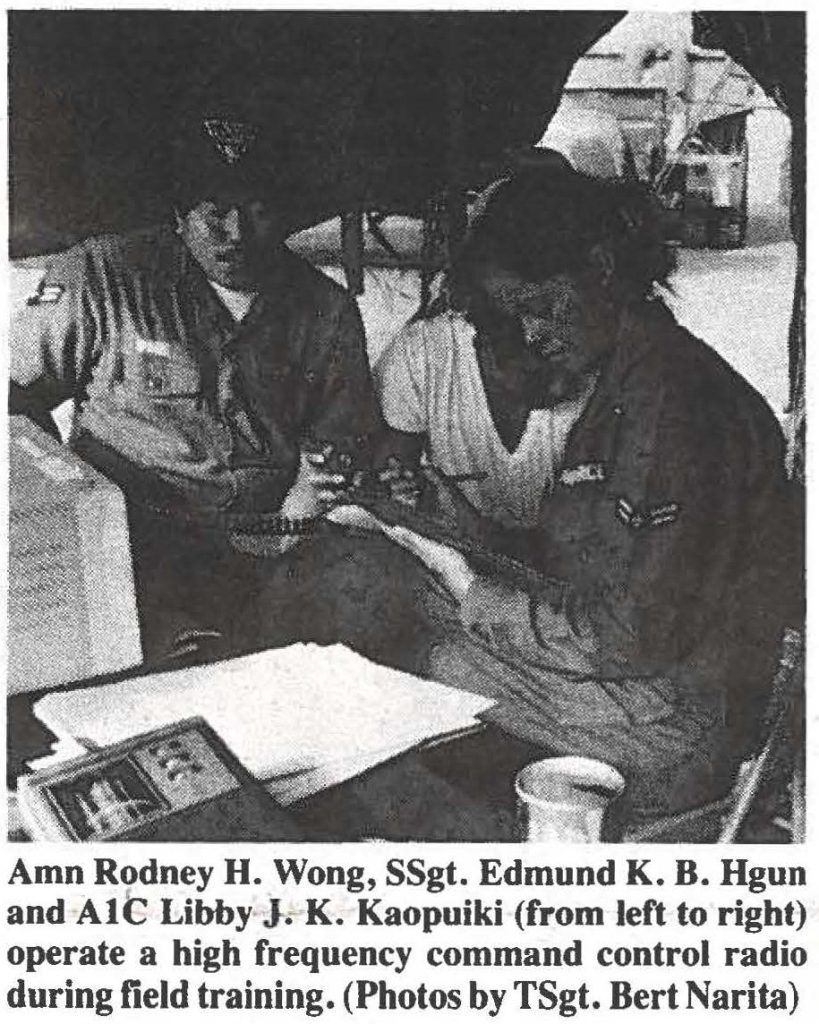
[{"x": 304, "y": 717}]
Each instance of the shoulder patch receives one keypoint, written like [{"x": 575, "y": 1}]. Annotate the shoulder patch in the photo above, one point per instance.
[
  {"x": 46, "y": 295},
  {"x": 636, "y": 518}
]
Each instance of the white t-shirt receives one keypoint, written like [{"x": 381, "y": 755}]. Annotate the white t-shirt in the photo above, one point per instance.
[
  {"x": 236, "y": 302},
  {"x": 430, "y": 382}
]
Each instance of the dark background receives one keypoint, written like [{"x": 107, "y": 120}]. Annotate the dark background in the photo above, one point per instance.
[
  {"x": 361, "y": 103},
  {"x": 367, "y": 108}
]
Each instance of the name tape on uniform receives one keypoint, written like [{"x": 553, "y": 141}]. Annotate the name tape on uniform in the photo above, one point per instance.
[
  {"x": 587, "y": 472},
  {"x": 152, "y": 347}
]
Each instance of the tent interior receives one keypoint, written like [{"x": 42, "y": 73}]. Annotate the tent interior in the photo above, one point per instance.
[
  {"x": 386, "y": 124},
  {"x": 388, "y": 119}
]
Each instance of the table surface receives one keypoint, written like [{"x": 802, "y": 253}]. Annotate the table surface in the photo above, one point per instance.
[{"x": 457, "y": 791}]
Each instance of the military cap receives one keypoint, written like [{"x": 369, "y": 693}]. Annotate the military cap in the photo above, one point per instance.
[{"x": 221, "y": 156}]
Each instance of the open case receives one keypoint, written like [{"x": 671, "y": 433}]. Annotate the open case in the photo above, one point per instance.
[{"x": 176, "y": 783}]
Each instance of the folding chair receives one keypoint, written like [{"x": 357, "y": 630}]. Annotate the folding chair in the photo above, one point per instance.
[
  {"x": 784, "y": 741},
  {"x": 759, "y": 779}
]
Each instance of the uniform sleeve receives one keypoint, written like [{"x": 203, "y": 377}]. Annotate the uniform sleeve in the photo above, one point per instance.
[
  {"x": 401, "y": 381},
  {"x": 347, "y": 406},
  {"x": 53, "y": 337},
  {"x": 660, "y": 554},
  {"x": 533, "y": 628},
  {"x": 696, "y": 471}
]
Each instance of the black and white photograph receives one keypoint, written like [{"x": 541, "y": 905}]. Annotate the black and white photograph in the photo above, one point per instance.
[{"x": 406, "y": 432}]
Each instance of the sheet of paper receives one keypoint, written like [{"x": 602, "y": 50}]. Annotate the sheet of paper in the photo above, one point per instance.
[
  {"x": 289, "y": 788},
  {"x": 298, "y": 785},
  {"x": 282, "y": 712},
  {"x": 65, "y": 748}
]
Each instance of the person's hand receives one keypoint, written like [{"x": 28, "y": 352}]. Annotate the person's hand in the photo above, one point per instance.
[
  {"x": 314, "y": 491},
  {"x": 403, "y": 484},
  {"x": 357, "y": 518},
  {"x": 448, "y": 564}
]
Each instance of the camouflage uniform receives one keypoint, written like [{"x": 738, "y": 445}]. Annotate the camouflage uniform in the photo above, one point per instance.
[
  {"x": 197, "y": 417},
  {"x": 667, "y": 546}
]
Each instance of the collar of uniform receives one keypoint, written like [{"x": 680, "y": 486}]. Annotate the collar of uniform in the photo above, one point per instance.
[
  {"x": 171, "y": 255},
  {"x": 638, "y": 332}
]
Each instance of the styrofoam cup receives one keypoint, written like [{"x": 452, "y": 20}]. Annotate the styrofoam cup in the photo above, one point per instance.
[{"x": 563, "y": 799}]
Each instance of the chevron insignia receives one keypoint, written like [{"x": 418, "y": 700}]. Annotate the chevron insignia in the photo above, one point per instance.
[
  {"x": 637, "y": 519},
  {"x": 232, "y": 139}
]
